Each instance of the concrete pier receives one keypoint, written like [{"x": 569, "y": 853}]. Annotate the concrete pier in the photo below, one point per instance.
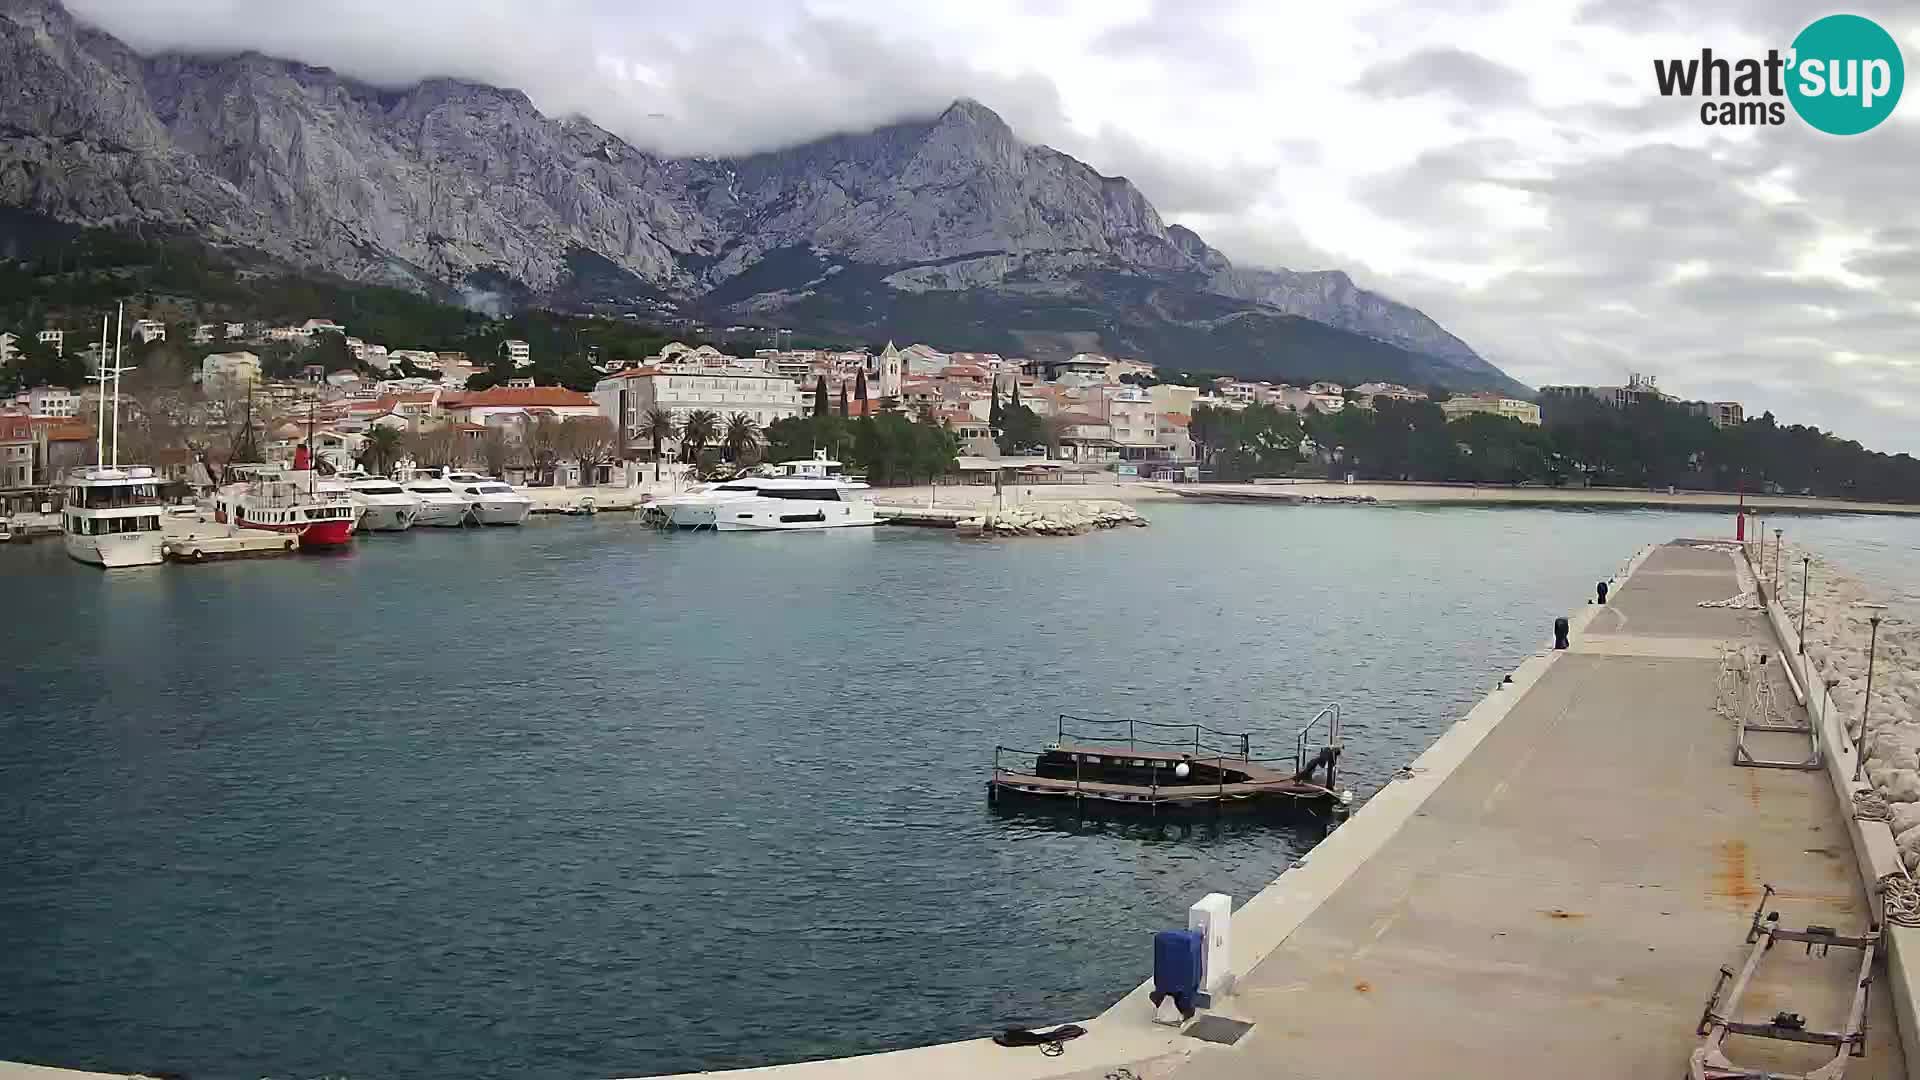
[
  {"x": 1549, "y": 890},
  {"x": 1560, "y": 904}
]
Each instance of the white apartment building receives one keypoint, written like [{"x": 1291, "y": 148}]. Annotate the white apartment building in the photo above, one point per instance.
[
  {"x": 148, "y": 330},
  {"x": 723, "y": 390},
  {"x": 221, "y": 371},
  {"x": 9, "y": 347},
  {"x": 517, "y": 351},
  {"x": 1512, "y": 408},
  {"x": 52, "y": 401},
  {"x": 55, "y": 338}
]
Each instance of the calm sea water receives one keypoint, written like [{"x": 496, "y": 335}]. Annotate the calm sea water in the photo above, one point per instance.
[{"x": 579, "y": 800}]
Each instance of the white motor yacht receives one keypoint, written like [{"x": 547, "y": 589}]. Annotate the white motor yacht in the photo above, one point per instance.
[
  {"x": 490, "y": 501},
  {"x": 384, "y": 505},
  {"x": 809, "y": 494},
  {"x": 439, "y": 505}
]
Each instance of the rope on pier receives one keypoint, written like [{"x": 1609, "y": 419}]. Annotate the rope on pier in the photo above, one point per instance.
[
  {"x": 1900, "y": 898},
  {"x": 1870, "y": 805}
]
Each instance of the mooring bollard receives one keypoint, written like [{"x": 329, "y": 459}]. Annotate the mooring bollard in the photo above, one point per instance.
[
  {"x": 1560, "y": 632},
  {"x": 1600, "y": 591}
]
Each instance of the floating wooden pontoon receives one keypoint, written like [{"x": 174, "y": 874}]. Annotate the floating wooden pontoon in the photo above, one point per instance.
[{"x": 1149, "y": 766}]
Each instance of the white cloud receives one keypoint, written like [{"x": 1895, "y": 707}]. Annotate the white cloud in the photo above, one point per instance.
[{"x": 1504, "y": 164}]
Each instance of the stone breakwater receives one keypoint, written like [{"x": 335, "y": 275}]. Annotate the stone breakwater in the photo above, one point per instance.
[
  {"x": 1838, "y": 608},
  {"x": 1052, "y": 519}
]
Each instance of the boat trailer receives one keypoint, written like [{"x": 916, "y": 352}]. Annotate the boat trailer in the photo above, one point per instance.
[{"x": 1709, "y": 1060}]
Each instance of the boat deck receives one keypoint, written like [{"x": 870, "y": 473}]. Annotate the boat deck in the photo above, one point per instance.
[{"x": 1235, "y": 778}]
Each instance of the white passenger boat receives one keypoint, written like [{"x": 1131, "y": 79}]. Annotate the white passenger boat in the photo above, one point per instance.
[
  {"x": 808, "y": 494},
  {"x": 111, "y": 515},
  {"x": 384, "y": 505}
]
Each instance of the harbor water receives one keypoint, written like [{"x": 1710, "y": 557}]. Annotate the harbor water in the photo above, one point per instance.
[{"x": 580, "y": 800}]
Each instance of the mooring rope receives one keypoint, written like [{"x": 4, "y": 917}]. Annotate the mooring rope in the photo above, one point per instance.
[
  {"x": 1900, "y": 898},
  {"x": 1870, "y": 805}
]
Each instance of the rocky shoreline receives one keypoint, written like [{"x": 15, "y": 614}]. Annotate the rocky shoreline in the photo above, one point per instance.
[
  {"x": 1838, "y": 610},
  {"x": 1052, "y": 519}
]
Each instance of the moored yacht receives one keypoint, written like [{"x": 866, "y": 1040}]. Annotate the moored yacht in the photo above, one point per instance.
[
  {"x": 112, "y": 516},
  {"x": 384, "y": 505},
  {"x": 807, "y": 494},
  {"x": 490, "y": 501},
  {"x": 439, "y": 505}
]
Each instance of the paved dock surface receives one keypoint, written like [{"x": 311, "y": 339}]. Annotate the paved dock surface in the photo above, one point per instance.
[{"x": 1560, "y": 906}]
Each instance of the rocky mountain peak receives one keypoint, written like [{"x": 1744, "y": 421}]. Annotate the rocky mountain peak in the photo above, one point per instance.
[{"x": 447, "y": 179}]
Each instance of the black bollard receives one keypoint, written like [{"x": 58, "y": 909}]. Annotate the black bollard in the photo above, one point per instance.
[
  {"x": 1601, "y": 591},
  {"x": 1560, "y": 632}
]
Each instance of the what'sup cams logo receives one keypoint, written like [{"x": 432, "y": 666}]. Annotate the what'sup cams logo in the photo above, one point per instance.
[{"x": 1842, "y": 75}]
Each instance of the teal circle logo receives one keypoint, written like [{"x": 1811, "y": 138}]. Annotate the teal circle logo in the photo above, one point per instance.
[{"x": 1846, "y": 74}]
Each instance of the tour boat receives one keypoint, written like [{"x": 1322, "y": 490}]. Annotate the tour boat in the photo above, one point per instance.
[
  {"x": 489, "y": 501},
  {"x": 384, "y": 505},
  {"x": 111, "y": 515},
  {"x": 807, "y": 494},
  {"x": 439, "y": 504},
  {"x": 265, "y": 497}
]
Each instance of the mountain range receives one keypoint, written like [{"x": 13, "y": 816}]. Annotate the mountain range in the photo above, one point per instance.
[{"x": 948, "y": 228}]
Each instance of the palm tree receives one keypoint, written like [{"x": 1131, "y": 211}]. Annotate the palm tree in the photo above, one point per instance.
[
  {"x": 697, "y": 431},
  {"x": 382, "y": 450},
  {"x": 659, "y": 425},
  {"x": 742, "y": 437}
]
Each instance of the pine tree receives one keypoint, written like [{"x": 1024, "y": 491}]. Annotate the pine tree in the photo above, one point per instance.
[
  {"x": 993, "y": 410},
  {"x": 1016, "y": 395},
  {"x": 820, "y": 397},
  {"x": 843, "y": 399},
  {"x": 860, "y": 390}
]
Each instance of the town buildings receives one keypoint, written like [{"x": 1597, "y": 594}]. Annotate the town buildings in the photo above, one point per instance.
[
  {"x": 223, "y": 373},
  {"x": 1512, "y": 408},
  {"x": 682, "y": 380},
  {"x": 52, "y": 401},
  {"x": 1645, "y": 388}
]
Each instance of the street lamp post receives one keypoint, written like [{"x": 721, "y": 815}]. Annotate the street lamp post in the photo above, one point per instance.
[
  {"x": 1776, "y": 559},
  {"x": 1866, "y": 701}
]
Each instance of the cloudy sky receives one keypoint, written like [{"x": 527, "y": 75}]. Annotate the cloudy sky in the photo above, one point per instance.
[{"x": 1503, "y": 164}]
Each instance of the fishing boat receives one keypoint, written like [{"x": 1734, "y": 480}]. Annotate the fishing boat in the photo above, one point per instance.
[{"x": 265, "y": 496}]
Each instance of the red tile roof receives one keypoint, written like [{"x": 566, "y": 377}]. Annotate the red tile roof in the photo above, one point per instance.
[
  {"x": 63, "y": 430},
  {"x": 519, "y": 398}
]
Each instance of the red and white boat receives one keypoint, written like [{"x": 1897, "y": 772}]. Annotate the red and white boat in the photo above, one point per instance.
[{"x": 268, "y": 497}]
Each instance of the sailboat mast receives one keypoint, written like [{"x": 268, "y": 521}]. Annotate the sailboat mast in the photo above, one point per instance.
[
  {"x": 100, "y": 376},
  {"x": 119, "y": 331}
]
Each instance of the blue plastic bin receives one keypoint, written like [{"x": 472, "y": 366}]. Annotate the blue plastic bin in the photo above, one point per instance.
[{"x": 1176, "y": 961}]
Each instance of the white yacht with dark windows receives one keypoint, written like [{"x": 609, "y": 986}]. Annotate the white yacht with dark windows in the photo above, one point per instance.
[
  {"x": 808, "y": 494},
  {"x": 111, "y": 513}
]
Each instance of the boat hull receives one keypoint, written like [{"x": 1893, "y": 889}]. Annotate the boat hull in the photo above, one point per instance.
[
  {"x": 441, "y": 515},
  {"x": 114, "y": 550},
  {"x": 378, "y": 517},
  {"x": 319, "y": 534},
  {"x": 769, "y": 515},
  {"x": 500, "y": 512}
]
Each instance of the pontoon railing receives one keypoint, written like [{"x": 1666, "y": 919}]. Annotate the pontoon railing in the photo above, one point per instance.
[
  {"x": 1329, "y": 713},
  {"x": 1237, "y": 741}
]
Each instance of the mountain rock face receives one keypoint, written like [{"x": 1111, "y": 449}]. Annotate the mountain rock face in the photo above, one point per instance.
[{"x": 949, "y": 228}]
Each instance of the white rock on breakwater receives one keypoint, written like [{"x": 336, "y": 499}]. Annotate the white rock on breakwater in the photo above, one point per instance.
[
  {"x": 1053, "y": 519},
  {"x": 1837, "y": 612}
]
